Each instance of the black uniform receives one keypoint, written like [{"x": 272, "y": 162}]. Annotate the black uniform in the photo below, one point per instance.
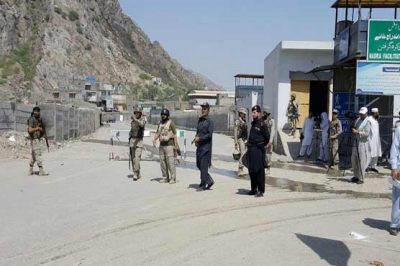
[
  {"x": 258, "y": 138},
  {"x": 205, "y": 128}
]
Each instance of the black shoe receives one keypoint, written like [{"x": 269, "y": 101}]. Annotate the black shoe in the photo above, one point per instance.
[
  {"x": 259, "y": 195},
  {"x": 252, "y": 193},
  {"x": 374, "y": 170},
  {"x": 393, "y": 231},
  {"x": 210, "y": 185},
  {"x": 354, "y": 179},
  {"x": 300, "y": 156},
  {"x": 318, "y": 160},
  {"x": 202, "y": 185}
]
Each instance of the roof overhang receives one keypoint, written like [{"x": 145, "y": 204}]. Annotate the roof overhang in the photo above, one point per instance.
[
  {"x": 250, "y": 76},
  {"x": 366, "y": 3},
  {"x": 326, "y": 68}
]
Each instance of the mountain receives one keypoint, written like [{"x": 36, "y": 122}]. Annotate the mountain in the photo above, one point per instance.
[{"x": 50, "y": 44}]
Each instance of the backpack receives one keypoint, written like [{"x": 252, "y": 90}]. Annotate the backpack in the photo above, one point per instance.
[{"x": 165, "y": 134}]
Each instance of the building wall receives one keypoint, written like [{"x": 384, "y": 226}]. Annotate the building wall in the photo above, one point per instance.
[{"x": 277, "y": 66}]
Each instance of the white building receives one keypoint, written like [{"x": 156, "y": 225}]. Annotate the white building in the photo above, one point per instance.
[{"x": 286, "y": 71}]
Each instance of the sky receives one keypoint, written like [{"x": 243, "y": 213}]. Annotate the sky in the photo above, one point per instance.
[{"x": 221, "y": 38}]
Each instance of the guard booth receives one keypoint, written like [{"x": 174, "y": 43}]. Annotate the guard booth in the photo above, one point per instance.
[{"x": 366, "y": 67}]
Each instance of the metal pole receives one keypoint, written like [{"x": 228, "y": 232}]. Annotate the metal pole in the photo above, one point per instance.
[
  {"x": 395, "y": 13},
  {"x": 336, "y": 18},
  {"x": 347, "y": 11}
]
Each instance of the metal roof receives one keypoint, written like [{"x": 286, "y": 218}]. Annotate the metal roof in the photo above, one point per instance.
[
  {"x": 250, "y": 76},
  {"x": 367, "y": 3}
]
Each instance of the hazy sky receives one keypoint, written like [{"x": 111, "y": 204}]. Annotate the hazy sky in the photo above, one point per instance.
[{"x": 220, "y": 38}]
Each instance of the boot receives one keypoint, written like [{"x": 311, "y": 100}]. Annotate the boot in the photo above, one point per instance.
[
  {"x": 241, "y": 172},
  {"x": 30, "y": 171},
  {"x": 42, "y": 172}
]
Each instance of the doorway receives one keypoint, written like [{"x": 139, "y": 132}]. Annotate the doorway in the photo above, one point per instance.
[{"x": 319, "y": 97}]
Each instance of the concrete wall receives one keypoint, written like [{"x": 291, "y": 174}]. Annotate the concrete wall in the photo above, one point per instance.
[
  {"x": 287, "y": 57},
  {"x": 61, "y": 122}
]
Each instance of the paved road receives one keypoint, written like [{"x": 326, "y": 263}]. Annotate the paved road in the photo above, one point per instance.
[{"x": 90, "y": 212}]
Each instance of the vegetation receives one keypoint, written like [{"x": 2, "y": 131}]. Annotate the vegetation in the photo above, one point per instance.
[
  {"x": 73, "y": 15},
  {"x": 22, "y": 58},
  {"x": 145, "y": 76}
]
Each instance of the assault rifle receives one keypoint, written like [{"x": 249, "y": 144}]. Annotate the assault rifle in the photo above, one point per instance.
[{"x": 45, "y": 135}]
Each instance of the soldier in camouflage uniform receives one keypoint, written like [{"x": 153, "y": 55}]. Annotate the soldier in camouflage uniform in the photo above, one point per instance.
[
  {"x": 270, "y": 122},
  {"x": 240, "y": 136},
  {"x": 136, "y": 141},
  {"x": 292, "y": 113},
  {"x": 335, "y": 129},
  {"x": 36, "y": 133},
  {"x": 166, "y": 133}
]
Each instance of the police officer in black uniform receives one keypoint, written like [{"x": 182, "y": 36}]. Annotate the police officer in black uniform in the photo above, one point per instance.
[
  {"x": 258, "y": 139},
  {"x": 203, "y": 141}
]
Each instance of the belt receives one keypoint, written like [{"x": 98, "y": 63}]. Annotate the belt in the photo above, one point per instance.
[{"x": 256, "y": 144}]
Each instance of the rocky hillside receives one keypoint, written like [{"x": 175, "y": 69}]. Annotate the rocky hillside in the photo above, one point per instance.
[{"x": 47, "y": 44}]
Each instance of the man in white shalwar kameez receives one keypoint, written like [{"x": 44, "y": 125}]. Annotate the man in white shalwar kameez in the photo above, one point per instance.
[
  {"x": 324, "y": 145},
  {"x": 374, "y": 140},
  {"x": 395, "y": 163},
  {"x": 360, "y": 151},
  {"x": 307, "y": 133}
]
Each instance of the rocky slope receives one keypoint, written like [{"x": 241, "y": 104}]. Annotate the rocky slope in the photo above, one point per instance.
[{"x": 48, "y": 44}]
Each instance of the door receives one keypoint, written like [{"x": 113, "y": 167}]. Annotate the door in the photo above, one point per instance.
[{"x": 302, "y": 90}]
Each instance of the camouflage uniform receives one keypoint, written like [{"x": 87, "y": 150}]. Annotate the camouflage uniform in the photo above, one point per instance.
[
  {"x": 136, "y": 143},
  {"x": 292, "y": 113},
  {"x": 270, "y": 122},
  {"x": 166, "y": 151},
  {"x": 240, "y": 137},
  {"x": 335, "y": 129},
  {"x": 36, "y": 139}
]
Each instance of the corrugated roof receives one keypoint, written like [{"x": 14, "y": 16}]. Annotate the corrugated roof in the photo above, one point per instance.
[
  {"x": 249, "y": 76},
  {"x": 367, "y": 3}
]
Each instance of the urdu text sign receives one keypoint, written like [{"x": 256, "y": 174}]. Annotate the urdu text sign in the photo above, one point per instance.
[
  {"x": 377, "y": 78},
  {"x": 383, "y": 40}
]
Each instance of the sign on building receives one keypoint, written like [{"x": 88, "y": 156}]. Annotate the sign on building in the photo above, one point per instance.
[
  {"x": 383, "y": 40},
  {"x": 377, "y": 78},
  {"x": 344, "y": 43}
]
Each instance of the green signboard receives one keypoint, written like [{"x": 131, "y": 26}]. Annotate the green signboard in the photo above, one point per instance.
[{"x": 383, "y": 41}]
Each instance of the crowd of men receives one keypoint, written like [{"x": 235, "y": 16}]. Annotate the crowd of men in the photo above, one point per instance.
[
  {"x": 255, "y": 146},
  {"x": 365, "y": 142}
]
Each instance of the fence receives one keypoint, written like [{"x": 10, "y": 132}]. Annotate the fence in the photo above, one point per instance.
[
  {"x": 223, "y": 120},
  {"x": 61, "y": 122}
]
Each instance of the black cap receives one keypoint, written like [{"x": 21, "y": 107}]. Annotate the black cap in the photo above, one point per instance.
[
  {"x": 36, "y": 109},
  {"x": 206, "y": 105},
  {"x": 256, "y": 108},
  {"x": 165, "y": 111}
]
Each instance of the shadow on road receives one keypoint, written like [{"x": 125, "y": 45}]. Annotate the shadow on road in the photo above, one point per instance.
[
  {"x": 242, "y": 191},
  {"x": 213, "y": 170},
  {"x": 377, "y": 224},
  {"x": 334, "y": 252}
]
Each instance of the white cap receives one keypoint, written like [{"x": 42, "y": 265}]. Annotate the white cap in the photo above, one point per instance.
[
  {"x": 363, "y": 110},
  {"x": 374, "y": 110},
  {"x": 335, "y": 111}
]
